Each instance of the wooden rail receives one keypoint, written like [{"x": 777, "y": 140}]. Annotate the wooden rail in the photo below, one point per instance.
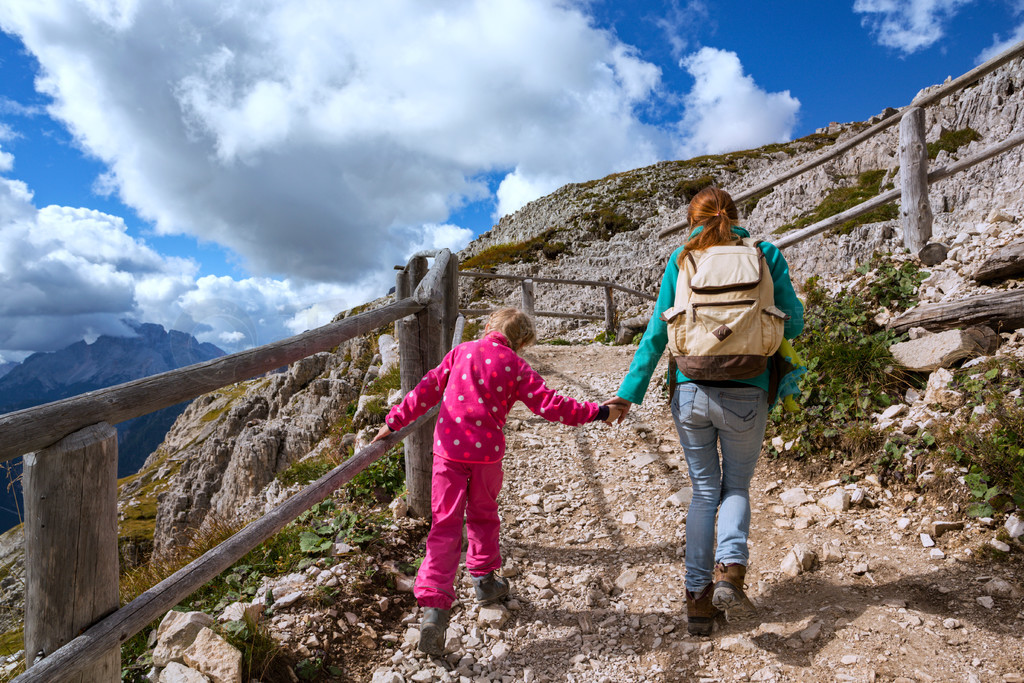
[
  {"x": 840, "y": 148},
  {"x": 111, "y": 632},
  {"x": 71, "y": 569},
  {"x": 527, "y": 287}
]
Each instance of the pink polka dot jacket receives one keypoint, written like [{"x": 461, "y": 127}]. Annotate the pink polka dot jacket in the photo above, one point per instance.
[{"x": 477, "y": 384}]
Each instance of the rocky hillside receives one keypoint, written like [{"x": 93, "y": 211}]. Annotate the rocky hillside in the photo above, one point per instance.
[{"x": 236, "y": 452}]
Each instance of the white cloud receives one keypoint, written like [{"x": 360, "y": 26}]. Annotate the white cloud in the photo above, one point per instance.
[
  {"x": 320, "y": 142},
  {"x": 308, "y": 139},
  {"x": 726, "y": 110},
  {"x": 1000, "y": 46},
  {"x": 908, "y": 25},
  {"x": 68, "y": 274}
]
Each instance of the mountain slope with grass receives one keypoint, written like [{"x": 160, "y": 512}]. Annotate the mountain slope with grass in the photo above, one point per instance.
[{"x": 877, "y": 456}]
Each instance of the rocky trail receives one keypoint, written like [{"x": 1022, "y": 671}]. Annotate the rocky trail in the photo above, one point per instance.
[{"x": 594, "y": 542}]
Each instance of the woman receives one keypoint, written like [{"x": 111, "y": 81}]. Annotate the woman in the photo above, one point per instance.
[{"x": 730, "y": 415}]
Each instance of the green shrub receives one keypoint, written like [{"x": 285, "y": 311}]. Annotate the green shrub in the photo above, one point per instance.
[
  {"x": 869, "y": 184},
  {"x": 306, "y": 471},
  {"x": 605, "y": 222},
  {"x": 528, "y": 251},
  {"x": 687, "y": 189},
  {"x": 952, "y": 140}
]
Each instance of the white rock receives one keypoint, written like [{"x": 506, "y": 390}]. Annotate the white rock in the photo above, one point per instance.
[
  {"x": 1014, "y": 526},
  {"x": 986, "y": 601},
  {"x": 999, "y": 545},
  {"x": 927, "y": 541},
  {"x": 176, "y": 632},
  {"x": 643, "y": 460},
  {"x": 629, "y": 518},
  {"x": 837, "y": 501},
  {"x": 215, "y": 657},
  {"x": 894, "y": 410},
  {"x": 936, "y": 554},
  {"x": 492, "y": 615},
  {"x": 1000, "y": 588},
  {"x": 795, "y": 497},
  {"x": 386, "y": 676},
  {"x": 179, "y": 673},
  {"x": 740, "y": 644},
  {"x": 627, "y": 578},
  {"x": 681, "y": 497}
]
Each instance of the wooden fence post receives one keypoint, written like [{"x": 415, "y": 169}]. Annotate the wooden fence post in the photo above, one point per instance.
[
  {"x": 451, "y": 304},
  {"x": 71, "y": 568},
  {"x": 915, "y": 211},
  {"x": 528, "y": 297},
  {"x": 609, "y": 314},
  {"x": 419, "y": 349}
]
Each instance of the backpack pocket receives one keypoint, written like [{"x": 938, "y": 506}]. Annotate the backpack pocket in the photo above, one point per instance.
[
  {"x": 721, "y": 320},
  {"x": 772, "y": 325}
]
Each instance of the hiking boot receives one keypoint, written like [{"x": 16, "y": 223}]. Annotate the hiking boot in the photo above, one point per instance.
[
  {"x": 489, "y": 588},
  {"x": 432, "y": 629},
  {"x": 729, "y": 596},
  {"x": 700, "y": 612}
]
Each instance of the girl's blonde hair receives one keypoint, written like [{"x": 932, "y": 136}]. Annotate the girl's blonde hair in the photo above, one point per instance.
[{"x": 515, "y": 325}]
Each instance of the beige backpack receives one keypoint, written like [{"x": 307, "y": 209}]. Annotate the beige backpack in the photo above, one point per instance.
[{"x": 724, "y": 324}]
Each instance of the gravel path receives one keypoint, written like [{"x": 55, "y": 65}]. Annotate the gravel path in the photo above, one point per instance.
[{"x": 593, "y": 533}]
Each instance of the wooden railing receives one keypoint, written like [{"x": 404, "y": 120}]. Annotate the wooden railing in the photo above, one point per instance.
[
  {"x": 73, "y": 627},
  {"x": 914, "y": 177},
  {"x": 528, "y": 298}
]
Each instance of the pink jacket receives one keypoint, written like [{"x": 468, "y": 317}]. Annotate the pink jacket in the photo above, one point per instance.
[{"x": 477, "y": 383}]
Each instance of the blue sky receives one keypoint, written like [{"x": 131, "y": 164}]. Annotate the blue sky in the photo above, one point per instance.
[{"x": 242, "y": 171}]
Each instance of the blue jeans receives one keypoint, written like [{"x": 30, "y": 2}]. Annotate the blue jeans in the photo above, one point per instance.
[{"x": 706, "y": 418}]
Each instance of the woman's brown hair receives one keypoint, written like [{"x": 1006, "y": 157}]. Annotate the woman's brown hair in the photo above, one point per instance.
[{"x": 714, "y": 209}]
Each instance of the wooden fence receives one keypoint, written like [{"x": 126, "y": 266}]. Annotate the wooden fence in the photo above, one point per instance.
[
  {"x": 914, "y": 177},
  {"x": 73, "y": 627},
  {"x": 527, "y": 296}
]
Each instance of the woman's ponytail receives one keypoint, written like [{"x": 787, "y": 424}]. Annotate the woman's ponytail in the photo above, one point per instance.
[{"x": 713, "y": 209}]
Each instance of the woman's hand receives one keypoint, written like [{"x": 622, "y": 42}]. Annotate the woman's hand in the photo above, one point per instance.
[
  {"x": 617, "y": 404},
  {"x": 384, "y": 431}
]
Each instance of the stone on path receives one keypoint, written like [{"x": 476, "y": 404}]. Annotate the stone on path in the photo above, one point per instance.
[
  {"x": 795, "y": 497},
  {"x": 212, "y": 655},
  {"x": 1014, "y": 526}
]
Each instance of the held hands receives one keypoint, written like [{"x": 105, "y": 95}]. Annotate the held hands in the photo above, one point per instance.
[
  {"x": 384, "y": 431},
  {"x": 617, "y": 409}
]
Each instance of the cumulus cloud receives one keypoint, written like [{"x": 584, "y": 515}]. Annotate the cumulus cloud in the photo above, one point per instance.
[
  {"x": 1000, "y": 45},
  {"x": 726, "y": 110},
  {"x": 321, "y": 143},
  {"x": 908, "y": 25},
  {"x": 68, "y": 274},
  {"x": 289, "y": 136}
]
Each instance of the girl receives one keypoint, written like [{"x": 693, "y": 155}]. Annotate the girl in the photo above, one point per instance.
[
  {"x": 477, "y": 384},
  {"x": 730, "y": 415}
]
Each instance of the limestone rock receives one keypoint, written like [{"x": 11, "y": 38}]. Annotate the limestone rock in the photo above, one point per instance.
[
  {"x": 179, "y": 673},
  {"x": 938, "y": 392},
  {"x": 176, "y": 633},
  {"x": 215, "y": 657},
  {"x": 934, "y": 351}
]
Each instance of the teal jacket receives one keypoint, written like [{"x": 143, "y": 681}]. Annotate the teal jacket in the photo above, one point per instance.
[{"x": 655, "y": 339}]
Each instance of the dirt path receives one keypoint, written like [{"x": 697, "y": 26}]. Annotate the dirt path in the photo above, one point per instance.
[{"x": 595, "y": 549}]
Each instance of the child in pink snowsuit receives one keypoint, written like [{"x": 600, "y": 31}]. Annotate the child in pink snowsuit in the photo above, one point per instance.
[{"x": 477, "y": 384}]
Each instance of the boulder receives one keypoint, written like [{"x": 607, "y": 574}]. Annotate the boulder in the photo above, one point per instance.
[
  {"x": 939, "y": 350},
  {"x": 176, "y": 633},
  {"x": 938, "y": 392},
  {"x": 179, "y": 673},
  {"x": 628, "y": 329},
  {"x": 214, "y": 657}
]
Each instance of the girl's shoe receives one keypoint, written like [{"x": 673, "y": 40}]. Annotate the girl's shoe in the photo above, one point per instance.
[
  {"x": 490, "y": 588},
  {"x": 700, "y": 612},
  {"x": 432, "y": 629},
  {"x": 729, "y": 596}
]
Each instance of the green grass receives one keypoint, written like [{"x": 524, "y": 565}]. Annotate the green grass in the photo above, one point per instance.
[
  {"x": 869, "y": 184},
  {"x": 952, "y": 140},
  {"x": 542, "y": 246}
]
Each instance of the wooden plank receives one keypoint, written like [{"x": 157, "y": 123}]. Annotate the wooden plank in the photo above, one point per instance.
[
  {"x": 840, "y": 148},
  {"x": 413, "y": 366},
  {"x": 38, "y": 427},
  {"x": 429, "y": 287},
  {"x": 609, "y": 312},
  {"x": 475, "y": 312},
  {"x": 527, "y": 297},
  {"x": 71, "y": 569},
  {"x": 1005, "y": 263},
  {"x": 559, "y": 281},
  {"x": 66, "y": 663},
  {"x": 915, "y": 211},
  {"x": 451, "y": 303},
  {"x": 1002, "y": 311}
]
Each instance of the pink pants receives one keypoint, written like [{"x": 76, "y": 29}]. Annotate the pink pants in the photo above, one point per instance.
[{"x": 459, "y": 491}]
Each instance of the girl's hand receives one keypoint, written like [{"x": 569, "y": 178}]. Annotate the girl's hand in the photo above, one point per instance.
[
  {"x": 619, "y": 405},
  {"x": 384, "y": 431}
]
